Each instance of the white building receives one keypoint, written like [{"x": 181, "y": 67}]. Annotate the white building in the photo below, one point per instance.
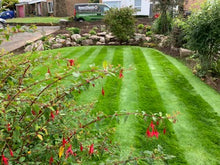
[{"x": 142, "y": 7}]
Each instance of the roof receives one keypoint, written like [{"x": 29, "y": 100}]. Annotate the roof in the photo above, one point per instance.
[
  {"x": 36, "y": 1},
  {"x": 30, "y": 1}
]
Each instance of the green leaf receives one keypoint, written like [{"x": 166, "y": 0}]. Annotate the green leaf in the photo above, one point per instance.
[
  {"x": 28, "y": 110},
  {"x": 125, "y": 118},
  {"x": 22, "y": 159},
  {"x": 36, "y": 108},
  {"x": 47, "y": 113}
]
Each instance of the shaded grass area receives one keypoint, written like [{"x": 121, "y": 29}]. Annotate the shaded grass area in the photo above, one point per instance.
[
  {"x": 200, "y": 115},
  {"x": 157, "y": 83},
  {"x": 126, "y": 129},
  {"x": 36, "y": 20},
  {"x": 149, "y": 100}
]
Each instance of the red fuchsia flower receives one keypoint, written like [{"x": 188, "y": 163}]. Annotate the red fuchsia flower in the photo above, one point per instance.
[
  {"x": 91, "y": 149},
  {"x": 51, "y": 160},
  {"x": 64, "y": 142},
  {"x": 103, "y": 92},
  {"x": 71, "y": 61},
  {"x": 93, "y": 85},
  {"x": 52, "y": 115},
  {"x": 152, "y": 125},
  {"x": 9, "y": 127},
  {"x": 156, "y": 15},
  {"x": 81, "y": 147},
  {"x": 158, "y": 123},
  {"x": 48, "y": 71},
  {"x": 156, "y": 133},
  {"x": 106, "y": 149},
  {"x": 69, "y": 151},
  {"x": 11, "y": 153},
  {"x": 164, "y": 131},
  {"x": 4, "y": 160},
  {"x": 121, "y": 74},
  {"x": 33, "y": 112},
  {"x": 148, "y": 133}
]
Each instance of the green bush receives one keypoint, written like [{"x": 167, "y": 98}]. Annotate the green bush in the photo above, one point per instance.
[
  {"x": 42, "y": 123},
  {"x": 92, "y": 32},
  {"x": 203, "y": 34},
  {"x": 140, "y": 26},
  {"x": 178, "y": 34},
  {"x": 148, "y": 28},
  {"x": 95, "y": 28},
  {"x": 73, "y": 30},
  {"x": 162, "y": 25},
  {"x": 148, "y": 33},
  {"x": 121, "y": 22}
]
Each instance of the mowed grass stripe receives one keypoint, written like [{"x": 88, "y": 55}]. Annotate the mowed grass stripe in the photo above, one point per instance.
[
  {"x": 93, "y": 93},
  {"x": 109, "y": 103},
  {"x": 86, "y": 55},
  {"x": 206, "y": 92},
  {"x": 197, "y": 112},
  {"x": 183, "y": 129},
  {"x": 126, "y": 130},
  {"x": 86, "y": 61},
  {"x": 149, "y": 100},
  {"x": 70, "y": 53}
]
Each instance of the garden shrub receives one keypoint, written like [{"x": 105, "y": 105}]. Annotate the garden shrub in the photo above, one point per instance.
[
  {"x": 121, "y": 22},
  {"x": 203, "y": 34},
  {"x": 178, "y": 33},
  {"x": 73, "y": 30},
  {"x": 162, "y": 25},
  {"x": 95, "y": 28},
  {"x": 140, "y": 26},
  {"x": 149, "y": 33},
  {"x": 148, "y": 28},
  {"x": 42, "y": 123},
  {"x": 92, "y": 32}
]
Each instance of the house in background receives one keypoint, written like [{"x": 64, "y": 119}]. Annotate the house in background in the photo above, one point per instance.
[
  {"x": 142, "y": 7},
  {"x": 63, "y": 8},
  {"x": 27, "y": 8}
]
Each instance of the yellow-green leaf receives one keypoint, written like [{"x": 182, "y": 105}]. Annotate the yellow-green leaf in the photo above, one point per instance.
[
  {"x": 61, "y": 150},
  {"x": 40, "y": 137},
  {"x": 45, "y": 130},
  {"x": 105, "y": 65}
]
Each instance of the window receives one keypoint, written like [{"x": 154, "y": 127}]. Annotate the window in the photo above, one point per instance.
[
  {"x": 103, "y": 8},
  {"x": 114, "y": 4},
  {"x": 137, "y": 5},
  {"x": 50, "y": 7}
]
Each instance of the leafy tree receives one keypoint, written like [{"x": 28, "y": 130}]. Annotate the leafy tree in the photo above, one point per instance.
[
  {"x": 166, "y": 13},
  {"x": 121, "y": 22},
  {"x": 163, "y": 24},
  {"x": 203, "y": 34},
  {"x": 9, "y": 4}
]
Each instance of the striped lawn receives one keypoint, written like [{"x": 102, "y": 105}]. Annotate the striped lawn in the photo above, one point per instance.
[{"x": 157, "y": 83}]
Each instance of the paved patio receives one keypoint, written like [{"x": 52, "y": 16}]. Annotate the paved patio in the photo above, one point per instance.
[{"x": 20, "y": 39}]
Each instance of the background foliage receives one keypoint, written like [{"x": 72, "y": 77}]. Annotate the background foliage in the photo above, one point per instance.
[
  {"x": 121, "y": 22},
  {"x": 203, "y": 34}
]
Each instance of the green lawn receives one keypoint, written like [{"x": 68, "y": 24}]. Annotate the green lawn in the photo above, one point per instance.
[
  {"x": 157, "y": 83},
  {"x": 36, "y": 20}
]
